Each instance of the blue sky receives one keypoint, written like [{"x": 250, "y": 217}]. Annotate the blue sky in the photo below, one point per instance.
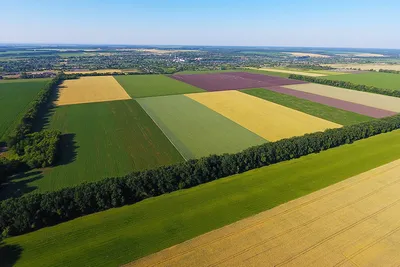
[{"x": 351, "y": 23}]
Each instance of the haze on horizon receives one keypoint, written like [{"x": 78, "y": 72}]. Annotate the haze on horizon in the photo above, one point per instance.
[{"x": 307, "y": 23}]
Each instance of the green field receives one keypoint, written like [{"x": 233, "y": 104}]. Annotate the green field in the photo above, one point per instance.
[
  {"x": 25, "y": 80},
  {"x": 15, "y": 98},
  {"x": 342, "y": 117},
  {"x": 377, "y": 79},
  {"x": 196, "y": 130},
  {"x": 101, "y": 140},
  {"x": 154, "y": 85},
  {"x": 124, "y": 234}
]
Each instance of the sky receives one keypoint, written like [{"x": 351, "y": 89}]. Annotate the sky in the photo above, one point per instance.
[{"x": 310, "y": 23}]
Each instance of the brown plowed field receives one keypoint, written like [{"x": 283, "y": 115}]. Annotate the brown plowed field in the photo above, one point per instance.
[
  {"x": 89, "y": 90},
  {"x": 352, "y": 223}
]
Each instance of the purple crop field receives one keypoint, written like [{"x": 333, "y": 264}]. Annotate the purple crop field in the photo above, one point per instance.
[
  {"x": 345, "y": 105},
  {"x": 233, "y": 80}
]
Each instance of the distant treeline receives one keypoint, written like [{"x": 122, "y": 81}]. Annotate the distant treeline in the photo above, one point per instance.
[
  {"x": 34, "y": 211},
  {"x": 347, "y": 85},
  {"x": 77, "y": 75},
  {"x": 390, "y": 71}
]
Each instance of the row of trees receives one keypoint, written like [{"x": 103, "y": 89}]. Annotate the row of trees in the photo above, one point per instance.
[
  {"x": 390, "y": 71},
  {"x": 347, "y": 85},
  {"x": 34, "y": 211}
]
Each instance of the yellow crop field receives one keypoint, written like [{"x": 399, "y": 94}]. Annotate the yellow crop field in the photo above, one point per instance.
[
  {"x": 355, "y": 222},
  {"x": 269, "y": 120},
  {"x": 364, "y": 98},
  {"x": 375, "y": 66},
  {"x": 306, "y": 54},
  {"x": 312, "y": 74},
  {"x": 89, "y": 90},
  {"x": 93, "y": 71}
]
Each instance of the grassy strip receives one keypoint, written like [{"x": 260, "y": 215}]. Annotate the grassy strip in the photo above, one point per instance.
[
  {"x": 338, "y": 82},
  {"x": 342, "y": 117},
  {"x": 121, "y": 235}
]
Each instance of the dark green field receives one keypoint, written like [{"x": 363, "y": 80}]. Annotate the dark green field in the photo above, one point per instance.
[
  {"x": 15, "y": 98},
  {"x": 342, "y": 117},
  {"x": 121, "y": 235},
  {"x": 100, "y": 140},
  {"x": 154, "y": 85},
  {"x": 377, "y": 79}
]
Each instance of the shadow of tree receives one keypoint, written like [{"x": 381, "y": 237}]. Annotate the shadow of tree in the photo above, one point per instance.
[
  {"x": 68, "y": 149},
  {"x": 9, "y": 254},
  {"x": 46, "y": 112},
  {"x": 18, "y": 184}
]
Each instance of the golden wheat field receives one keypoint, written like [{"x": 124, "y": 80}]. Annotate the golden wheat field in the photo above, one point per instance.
[
  {"x": 306, "y": 54},
  {"x": 93, "y": 71},
  {"x": 355, "y": 222},
  {"x": 89, "y": 90},
  {"x": 311, "y": 74},
  {"x": 269, "y": 120},
  {"x": 364, "y": 98}
]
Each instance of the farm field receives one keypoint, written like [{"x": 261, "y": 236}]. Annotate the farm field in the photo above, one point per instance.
[
  {"x": 298, "y": 72},
  {"x": 369, "y": 203},
  {"x": 153, "y": 85},
  {"x": 94, "y": 71},
  {"x": 248, "y": 69},
  {"x": 333, "y": 102},
  {"x": 233, "y": 80},
  {"x": 89, "y": 90},
  {"x": 121, "y": 235},
  {"x": 15, "y": 98},
  {"x": 100, "y": 140},
  {"x": 25, "y": 80},
  {"x": 377, "y": 79},
  {"x": 376, "y": 66},
  {"x": 269, "y": 120},
  {"x": 298, "y": 54},
  {"x": 195, "y": 130},
  {"x": 325, "y": 112},
  {"x": 364, "y": 98}
]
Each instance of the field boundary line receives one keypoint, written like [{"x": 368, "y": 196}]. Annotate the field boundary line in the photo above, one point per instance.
[
  {"x": 368, "y": 175},
  {"x": 162, "y": 131}
]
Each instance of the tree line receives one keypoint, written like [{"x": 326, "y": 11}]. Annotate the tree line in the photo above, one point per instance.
[
  {"x": 347, "y": 85},
  {"x": 34, "y": 211},
  {"x": 33, "y": 150},
  {"x": 390, "y": 71}
]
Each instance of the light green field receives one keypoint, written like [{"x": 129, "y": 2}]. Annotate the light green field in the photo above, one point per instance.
[
  {"x": 377, "y": 79},
  {"x": 154, "y": 85},
  {"x": 15, "y": 98},
  {"x": 102, "y": 140},
  {"x": 121, "y": 235},
  {"x": 339, "y": 116},
  {"x": 196, "y": 130}
]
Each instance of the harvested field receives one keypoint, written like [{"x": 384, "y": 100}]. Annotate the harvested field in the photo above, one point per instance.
[
  {"x": 269, "y": 120},
  {"x": 367, "y": 99},
  {"x": 316, "y": 109},
  {"x": 354, "y": 222},
  {"x": 337, "y": 103},
  {"x": 121, "y": 235},
  {"x": 94, "y": 71},
  {"x": 195, "y": 130},
  {"x": 298, "y": 54},
  {"x": 305, "y": 73},
  {"x": 154, "y": 85},
  {"x": 376, "y": 66},
  {"x": 233, "y": 80},
  {"x": 89, "y": 90}
]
